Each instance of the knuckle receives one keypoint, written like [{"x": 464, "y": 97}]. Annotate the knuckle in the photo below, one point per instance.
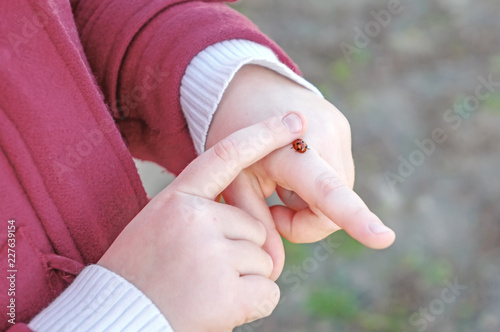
[
  {"x": 195, "y": 213},
  {"x": 274, "y": 296},
  {"x": 270, "y": 127},
  {"x": 270, "y": 301},
  {"x": 191, "y": 209},
  {"x": 227, "y": 149},
  {"x": 217, "y": 254},
  {"x": 267, "y": 131},
  {"x": 357, "y": 208},
  {"x": 263, "y": 307},
  {"x": 340, "y": 118},
  {"x": 269, "y": 265},
  {"x": 345, "y": 126},
  {"x": 260, "y": 233},
  {"x": 342, "y": 124},
  {"x": 327, "y": 184}
]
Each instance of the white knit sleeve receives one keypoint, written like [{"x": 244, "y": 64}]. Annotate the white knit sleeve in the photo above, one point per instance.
[
  {"x": 100, "y": 300},
  {"x": 210, "y": 72}
]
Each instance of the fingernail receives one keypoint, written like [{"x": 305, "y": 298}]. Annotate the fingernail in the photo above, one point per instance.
[
  {"x": 293, "y": 123},
  {"x": 379, "y": 228}
]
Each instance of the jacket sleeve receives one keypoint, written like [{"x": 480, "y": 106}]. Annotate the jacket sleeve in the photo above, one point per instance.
[
  {"x": 19, "y": 327},
  {"x": 139, "y": 51}
]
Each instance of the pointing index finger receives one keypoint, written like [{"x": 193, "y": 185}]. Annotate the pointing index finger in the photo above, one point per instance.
[
  {"x": 324, "y": 190},
  {"x": 214, "y": 170}
]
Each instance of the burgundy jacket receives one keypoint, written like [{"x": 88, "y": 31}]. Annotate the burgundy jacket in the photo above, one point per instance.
[{"x": 84, "y": 85}]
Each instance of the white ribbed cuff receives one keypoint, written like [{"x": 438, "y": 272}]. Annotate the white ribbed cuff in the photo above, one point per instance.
[
  {"x": 100, "y": 300},
  {"x": 210, "y": 72}
]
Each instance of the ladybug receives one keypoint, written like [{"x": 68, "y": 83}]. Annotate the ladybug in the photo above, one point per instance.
[{"x": 299, "y": 145}]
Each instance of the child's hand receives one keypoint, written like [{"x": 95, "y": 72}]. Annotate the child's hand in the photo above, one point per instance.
[
  {"x": 199, "y": 261},
  {"x": 316, "y": 186}
]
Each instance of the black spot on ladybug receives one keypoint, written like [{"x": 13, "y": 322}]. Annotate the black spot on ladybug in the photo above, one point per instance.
[{"x": 300, "y": 145}]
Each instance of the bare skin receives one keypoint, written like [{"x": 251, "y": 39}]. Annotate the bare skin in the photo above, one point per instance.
[
  {"x": 202, "y": 262},
  {"x": 316, "y": 186},
  {"x": 212, "y": 267}
]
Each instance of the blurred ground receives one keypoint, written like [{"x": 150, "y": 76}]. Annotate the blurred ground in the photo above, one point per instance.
[{"x": 417, "y": 71}]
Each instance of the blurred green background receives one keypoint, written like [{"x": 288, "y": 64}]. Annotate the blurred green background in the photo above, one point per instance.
[{"x": 408, "y": 74}]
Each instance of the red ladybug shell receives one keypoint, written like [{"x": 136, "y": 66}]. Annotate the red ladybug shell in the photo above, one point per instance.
[{"x": 299, "y": 145}]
